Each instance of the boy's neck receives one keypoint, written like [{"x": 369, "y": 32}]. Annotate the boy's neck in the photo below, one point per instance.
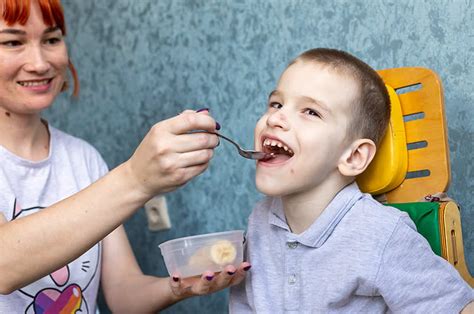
[{"x": 302, "y": 209}]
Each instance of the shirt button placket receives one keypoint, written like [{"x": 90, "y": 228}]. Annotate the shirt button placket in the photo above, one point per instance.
[
  {"x": 292, "y": 279},
  {"x": 292, "y": 245},
  {"x": 292, "y": 284}
]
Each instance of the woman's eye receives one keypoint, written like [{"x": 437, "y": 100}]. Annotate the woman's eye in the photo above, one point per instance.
[
  {"x": 275, "y": 105},
  {"x": 11, "y": 43},
  {"x": 312, "y": 112},
  {"x": 53, "y": 40}
]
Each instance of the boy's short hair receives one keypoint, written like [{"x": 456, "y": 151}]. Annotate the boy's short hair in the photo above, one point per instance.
[{"x": 372, "y": 107}]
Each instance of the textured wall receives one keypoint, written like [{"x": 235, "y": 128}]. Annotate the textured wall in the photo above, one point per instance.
[{"x": 141, "y": 61}]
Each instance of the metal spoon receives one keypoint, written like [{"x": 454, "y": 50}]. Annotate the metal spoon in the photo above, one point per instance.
[{"x": 246, "y": 153}]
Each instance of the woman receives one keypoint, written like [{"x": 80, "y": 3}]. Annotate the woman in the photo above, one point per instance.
[{"x": 56, "y": 201}]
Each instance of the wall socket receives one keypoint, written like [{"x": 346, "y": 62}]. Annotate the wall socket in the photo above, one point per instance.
[{"x": 157, "y": 214}]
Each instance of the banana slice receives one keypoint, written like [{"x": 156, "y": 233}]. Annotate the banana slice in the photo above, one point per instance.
[
  {"x": 200, "y": 258},
  {"x": 223, "y": 252}
]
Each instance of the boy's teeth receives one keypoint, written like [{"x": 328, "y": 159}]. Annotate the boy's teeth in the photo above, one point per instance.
[{"x": 273, "y": 143}]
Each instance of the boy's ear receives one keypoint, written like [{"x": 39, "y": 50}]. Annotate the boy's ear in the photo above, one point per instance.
[{"x": 357, "y": 157}]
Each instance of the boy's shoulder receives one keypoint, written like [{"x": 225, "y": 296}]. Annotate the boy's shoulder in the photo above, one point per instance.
[
  {"x": 358, "y": 216},
  {"x": 368, "y": 216}
]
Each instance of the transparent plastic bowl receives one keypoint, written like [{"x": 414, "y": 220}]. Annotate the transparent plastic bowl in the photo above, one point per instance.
[{"x": 191, "y": 256}]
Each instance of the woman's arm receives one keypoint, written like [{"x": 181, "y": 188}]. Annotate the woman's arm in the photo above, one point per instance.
[
  {"x": 127, "y": 290},
  {"x": 167, "y": 158},
  {"x": 469, "y": 309}
]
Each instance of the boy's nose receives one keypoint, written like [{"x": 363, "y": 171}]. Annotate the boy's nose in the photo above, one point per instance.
[
  {"x": 36, "y": 61},
  {"x": 278, "y": 120}
]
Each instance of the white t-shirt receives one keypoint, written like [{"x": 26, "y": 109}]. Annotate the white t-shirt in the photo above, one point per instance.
[{"x": 27, "y": 187}]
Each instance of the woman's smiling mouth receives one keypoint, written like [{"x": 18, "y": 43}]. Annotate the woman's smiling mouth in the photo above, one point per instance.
[{"x": 36, "y": 85}]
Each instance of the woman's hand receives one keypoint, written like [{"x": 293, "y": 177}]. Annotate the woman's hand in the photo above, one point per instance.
[
  {"x": 209, "y": 282},
  {"x": 2, "y": 219},
  {"x": 169, "y": 155}
]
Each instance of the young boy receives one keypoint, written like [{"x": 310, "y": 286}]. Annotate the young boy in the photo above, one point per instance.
[{"x": 317, "y": 243}]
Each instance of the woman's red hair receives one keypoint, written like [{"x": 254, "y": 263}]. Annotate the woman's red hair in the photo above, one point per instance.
[{"x": 18, "y": 11}]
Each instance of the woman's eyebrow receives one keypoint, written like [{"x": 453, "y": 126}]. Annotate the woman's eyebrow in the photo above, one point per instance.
[
  {"x": 12, "y": 31},
  {"x": 51, "y": 29}
]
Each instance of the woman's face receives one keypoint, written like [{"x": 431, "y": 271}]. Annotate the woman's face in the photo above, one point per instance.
[{"x": 33, "y": 64}]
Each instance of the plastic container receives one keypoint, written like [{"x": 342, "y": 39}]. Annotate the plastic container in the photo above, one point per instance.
[{"x": 191, "y": 256}]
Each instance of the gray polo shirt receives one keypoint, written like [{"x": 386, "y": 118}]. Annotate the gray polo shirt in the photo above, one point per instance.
[{"x": 357, "y": 257}]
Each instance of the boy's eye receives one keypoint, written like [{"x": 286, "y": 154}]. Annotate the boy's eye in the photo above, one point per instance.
[
  {"x": 312, "y": 112},
  {"x": 275, "y": 105}
]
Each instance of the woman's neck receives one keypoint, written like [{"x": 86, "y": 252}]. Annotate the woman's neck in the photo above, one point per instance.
[{"x": 26, "y": 136}]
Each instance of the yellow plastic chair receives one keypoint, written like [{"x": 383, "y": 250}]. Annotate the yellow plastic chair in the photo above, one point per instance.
[{"x": 413, "y": 162}]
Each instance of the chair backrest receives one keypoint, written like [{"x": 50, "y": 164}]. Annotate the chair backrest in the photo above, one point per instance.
[
  {"x": 413, "y": 157},
  {"x": 412, "y": 161}
]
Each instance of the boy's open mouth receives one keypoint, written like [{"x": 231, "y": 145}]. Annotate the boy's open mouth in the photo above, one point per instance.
[{"x": 281, "y": 150}]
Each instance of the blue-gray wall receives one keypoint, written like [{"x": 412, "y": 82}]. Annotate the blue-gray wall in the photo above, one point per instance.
[{"x": 141, "y": 61}]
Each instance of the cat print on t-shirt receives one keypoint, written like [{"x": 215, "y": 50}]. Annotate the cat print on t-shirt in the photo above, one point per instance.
[{"x": 61, "y": 291}]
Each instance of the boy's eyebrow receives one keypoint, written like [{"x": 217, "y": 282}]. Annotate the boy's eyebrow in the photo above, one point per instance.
[
  {"x": 319, "y": 103},
  {"x": 274, "y": 93},
  {"x": 14, "y": 31}
]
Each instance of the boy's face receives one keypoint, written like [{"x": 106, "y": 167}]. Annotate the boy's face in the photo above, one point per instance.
[{"x": 305, "y": 125}]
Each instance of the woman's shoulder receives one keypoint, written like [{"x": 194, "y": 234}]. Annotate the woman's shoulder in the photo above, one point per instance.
[
  {"x": 77, "y": 150},
  {"x": 70, "y": 142}
]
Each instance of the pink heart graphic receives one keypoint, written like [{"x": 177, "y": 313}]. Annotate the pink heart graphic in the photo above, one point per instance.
[
  {"x": 61, "y": 276},
  {"x": 52, "y": 301}
]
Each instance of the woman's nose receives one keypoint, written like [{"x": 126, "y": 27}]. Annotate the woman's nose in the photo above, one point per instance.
[
  {"x": 278, "y": 119},
  {"x": 36, "y": 60}
]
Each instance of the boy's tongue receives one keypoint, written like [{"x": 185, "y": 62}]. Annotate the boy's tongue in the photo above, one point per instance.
[{"x": 279, "y": 158}]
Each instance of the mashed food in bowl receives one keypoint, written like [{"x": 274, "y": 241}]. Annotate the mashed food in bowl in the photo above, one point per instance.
[{"x": 221, "y": 253}]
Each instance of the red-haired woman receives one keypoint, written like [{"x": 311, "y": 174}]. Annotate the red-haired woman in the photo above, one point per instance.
[{"x": 57, "y": 199}]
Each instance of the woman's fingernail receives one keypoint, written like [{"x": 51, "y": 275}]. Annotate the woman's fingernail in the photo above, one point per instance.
[
  {"x": 246, "y": 268},
  {"x": 202, "y": 109},
  {"x": 175, "y": 279},
  {"x": 209, "y": 278},
  {"x": 230, "y": 273},
  {"x": 218, "y": 126}
]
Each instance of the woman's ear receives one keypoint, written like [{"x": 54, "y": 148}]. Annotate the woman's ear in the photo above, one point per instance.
[{"x": 357, "y": 157}]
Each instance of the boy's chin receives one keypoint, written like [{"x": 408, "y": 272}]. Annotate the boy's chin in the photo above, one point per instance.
[{"x": 270, "y": 189}]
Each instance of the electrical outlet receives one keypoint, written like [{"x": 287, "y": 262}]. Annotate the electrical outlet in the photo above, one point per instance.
[{"x": 156, "y": 211}]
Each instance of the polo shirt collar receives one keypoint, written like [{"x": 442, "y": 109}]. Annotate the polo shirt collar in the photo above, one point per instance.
[{"x": 324, "y": 225}]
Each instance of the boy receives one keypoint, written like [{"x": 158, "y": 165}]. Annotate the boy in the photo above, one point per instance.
[{"x": 317, "y": 244}]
